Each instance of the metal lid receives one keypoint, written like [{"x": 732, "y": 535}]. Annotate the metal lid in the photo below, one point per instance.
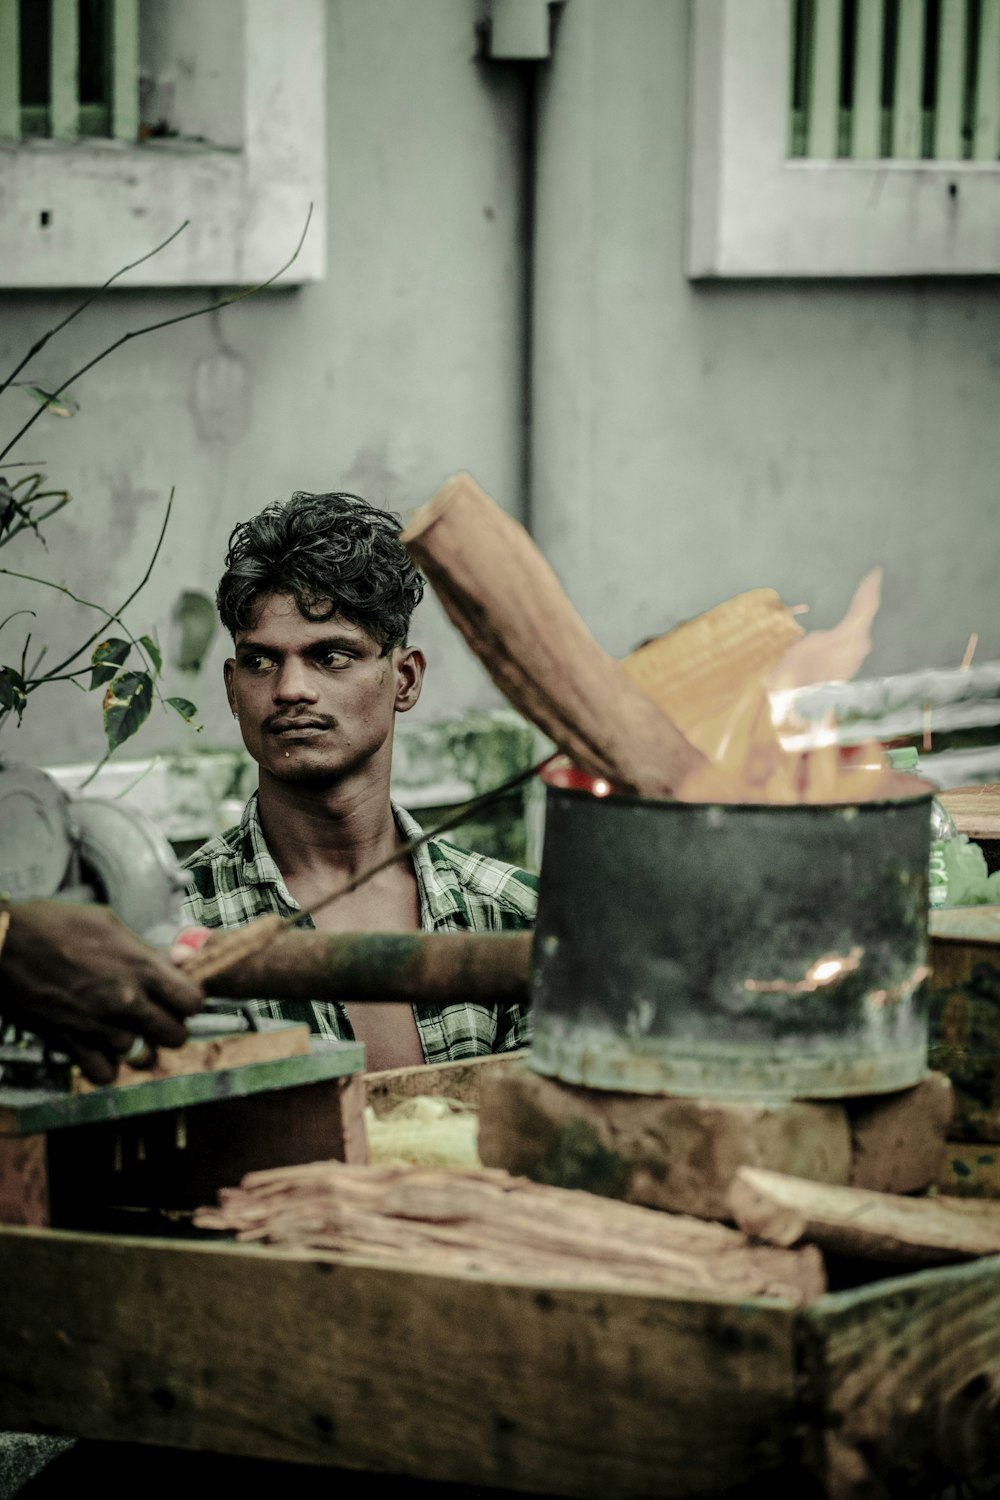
[
  {"x": 135, "y": 866},
  {"x": 35, "y": 847}
]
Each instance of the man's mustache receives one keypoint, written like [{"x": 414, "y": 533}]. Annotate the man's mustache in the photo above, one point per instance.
[{"x": 277, "y": 722}]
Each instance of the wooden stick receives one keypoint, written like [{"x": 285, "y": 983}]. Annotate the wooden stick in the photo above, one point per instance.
[
  {"x": 432, "y": 967},
  {"x": 782, "y": 1210},
  {"x": 238, "y": 944},
  {"x": 505, "y": 599}
]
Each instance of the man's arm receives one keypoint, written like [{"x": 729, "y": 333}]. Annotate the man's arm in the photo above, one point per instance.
[{"x": 81, "y": 980}]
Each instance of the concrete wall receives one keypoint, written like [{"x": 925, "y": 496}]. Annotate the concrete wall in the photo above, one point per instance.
[
  {"x": 696, "y": 440},
  {"x": 687, "y": 441},
  {"x": 403, "y": 366}
]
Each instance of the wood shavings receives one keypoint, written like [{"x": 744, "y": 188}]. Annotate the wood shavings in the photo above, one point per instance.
[
  {"x": 488, "y": 1222},
  {"x": 858, "y": 1222}
]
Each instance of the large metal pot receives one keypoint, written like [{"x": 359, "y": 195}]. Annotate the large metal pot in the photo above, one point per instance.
[{"x": 736, "y": 950}]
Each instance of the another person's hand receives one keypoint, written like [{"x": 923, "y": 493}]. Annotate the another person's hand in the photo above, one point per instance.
[{"x": 79, "y": 978}]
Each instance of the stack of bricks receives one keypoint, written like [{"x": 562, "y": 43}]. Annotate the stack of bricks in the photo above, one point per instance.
[{"x": 681, "y": 1154}]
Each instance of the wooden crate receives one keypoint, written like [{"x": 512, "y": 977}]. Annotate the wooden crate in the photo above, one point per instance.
[
  {"x": 500, "y": 1382},
  {"x": 519, "y": 1385},
  {"x": 964, "y": 1000},
  {"x": 150, "y": 1152}
]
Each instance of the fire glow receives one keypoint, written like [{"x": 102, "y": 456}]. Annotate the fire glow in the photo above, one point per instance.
[{"x": 758, "y": 750}]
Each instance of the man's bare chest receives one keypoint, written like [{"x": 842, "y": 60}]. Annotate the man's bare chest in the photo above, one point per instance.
[{"x": 388, "y": 1030}]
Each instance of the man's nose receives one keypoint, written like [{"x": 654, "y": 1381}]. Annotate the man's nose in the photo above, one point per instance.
[{"x": 293, "y": 684}]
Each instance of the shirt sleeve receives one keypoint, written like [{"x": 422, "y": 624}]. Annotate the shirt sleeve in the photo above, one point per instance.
[{"x": 514, "y": 1028}]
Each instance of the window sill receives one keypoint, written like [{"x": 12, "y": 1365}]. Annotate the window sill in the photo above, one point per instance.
[{"x": 73, "y": 212}]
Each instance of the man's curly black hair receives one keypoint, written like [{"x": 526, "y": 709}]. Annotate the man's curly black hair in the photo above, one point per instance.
[{"x": 335, "y": 554}]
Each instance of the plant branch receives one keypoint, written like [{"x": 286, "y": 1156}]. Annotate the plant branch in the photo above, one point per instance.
[
  {"x": 15, "y": 614},
  {"x": 40, "y": 343},
  {"x": 65, "y": 676},
  {"x": 33, "y": 682},
  {"x": 20, "y": 506},
  {"x": 34, "y": 522},
  {"x": 116, "y": 616},
  {"x": 88, "y": 779},
  {"x": 196, "y": 312}
]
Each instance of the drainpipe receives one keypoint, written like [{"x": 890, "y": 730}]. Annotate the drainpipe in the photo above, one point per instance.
[{"x": 521, "y": 33}]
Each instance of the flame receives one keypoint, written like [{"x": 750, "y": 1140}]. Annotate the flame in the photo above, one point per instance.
[{"x": 758, "y": 750}]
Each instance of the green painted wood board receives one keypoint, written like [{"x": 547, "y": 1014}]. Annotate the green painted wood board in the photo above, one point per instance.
[{"x": 35, "y": 1110}]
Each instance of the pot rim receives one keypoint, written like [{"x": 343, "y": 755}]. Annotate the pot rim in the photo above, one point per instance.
[{"x": 564, "y": 777}]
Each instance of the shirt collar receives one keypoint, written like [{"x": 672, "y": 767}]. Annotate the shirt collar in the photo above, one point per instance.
[
  {"x": 440, "y": 899},
  {"x": 440, "y": 896},
  {"x": 259, "y": 867}
]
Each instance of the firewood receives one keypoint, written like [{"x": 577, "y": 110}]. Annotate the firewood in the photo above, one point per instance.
[
  {"x": 209, "y": 1054},
  {"x": 700, "y": 668},
  {"x": 231, "y": 948},
  {"x": 781, "y": 1210},
  {"x": 489, "y": 1222},
  {"x": 505, "y": 599}
]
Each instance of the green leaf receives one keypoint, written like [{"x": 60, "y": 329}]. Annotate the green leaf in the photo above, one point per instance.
[
  {"x": 126, "y": 706},
  {"x": 152, "y": 650},
  {"x": 59, "y": 406},
  {"x": 12, "y": 691},
  {"x": 184, "y": 707},
  {"x": 107, "y": 656}
]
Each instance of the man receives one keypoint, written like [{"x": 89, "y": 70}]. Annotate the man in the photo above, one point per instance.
[{"x": 317, "y": 595}]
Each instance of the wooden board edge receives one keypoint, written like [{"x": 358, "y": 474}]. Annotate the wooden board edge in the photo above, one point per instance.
[{"x": 576, "y": 1391}]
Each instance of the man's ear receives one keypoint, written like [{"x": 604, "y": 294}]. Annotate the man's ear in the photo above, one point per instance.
[
  {"x": 229, "y": 667},
  {"x": 411, "y": 663}
]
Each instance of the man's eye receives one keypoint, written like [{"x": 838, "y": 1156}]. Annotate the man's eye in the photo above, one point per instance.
[
  {"x": 336, "y": 659},
  {"x": 257, "y": 662}
]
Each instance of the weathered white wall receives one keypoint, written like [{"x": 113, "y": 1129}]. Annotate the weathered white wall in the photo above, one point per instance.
[
  {"x": 695, "y": 440},
  {"x": 688, "y": 441},
  {"x": 185, "y": 60},
  {"x": 403, "y": 366}
]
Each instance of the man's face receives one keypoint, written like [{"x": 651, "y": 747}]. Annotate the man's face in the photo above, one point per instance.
[{"x": 316, "y": 700}]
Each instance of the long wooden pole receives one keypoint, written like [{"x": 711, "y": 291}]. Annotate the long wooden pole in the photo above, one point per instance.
[{"x": 431, "y": 967}]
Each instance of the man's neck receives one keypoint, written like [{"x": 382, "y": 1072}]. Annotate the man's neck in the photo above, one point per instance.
[{"x": 339, "y": 829}]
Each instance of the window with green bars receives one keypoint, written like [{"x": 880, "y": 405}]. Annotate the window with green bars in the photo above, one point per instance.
[
  {"x": 901, "y": 80},
  {"x": 69, "y": 69}
]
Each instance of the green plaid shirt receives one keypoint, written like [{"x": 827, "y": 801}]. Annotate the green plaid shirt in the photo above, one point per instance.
[{"x": 236, "y": 879}]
